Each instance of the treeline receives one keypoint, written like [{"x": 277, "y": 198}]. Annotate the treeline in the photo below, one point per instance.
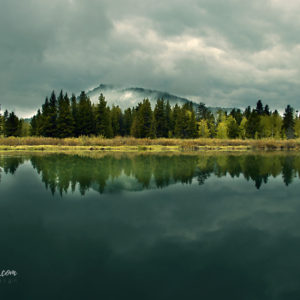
[
  {"x": 11, "y": 125},
  {"x": 71, "y": 117}
]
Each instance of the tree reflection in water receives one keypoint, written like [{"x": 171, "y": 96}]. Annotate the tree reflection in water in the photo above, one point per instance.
[{"x": 63, "y": 172}]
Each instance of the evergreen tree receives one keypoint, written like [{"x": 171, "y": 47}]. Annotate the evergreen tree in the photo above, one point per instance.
[
  {"x": 253, "y": 125},
  {"x": 182, "y": 125},
  {"x": 175, "y": 115},
  {"x": 202, "y": 112},
  {"x": 33, "y": 125},
  {"x": 86, "y": 122},
  {"x": 143, "y": 121},
  {"x": 267, "y": 110},
  {"x": 127, "y": 121},
  {"x": 65, "y": 121},
  {"x": 52, "y": 120},
  {"x": 247, "y": 112},
  {"x": 237, "y": 115},
  {"x": 12, "y": 125},
  {"x": 36, "y": 123},
  {"x": 160, "y": 119},
  {"x": 116, "y": 121},
  {"x": 192, "y": 131},
  {"x": 103, "y": 119},
  {"x": 169, "y": 119},
  {"x": 45, "y": 122},
  {"x": 74, "y": 109},
  {"x": 288, "y": 122},
  {"x": 259, "y": 108}
]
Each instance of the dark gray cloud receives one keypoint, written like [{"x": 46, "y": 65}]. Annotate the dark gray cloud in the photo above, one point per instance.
[{"x": 226, "y": 53}]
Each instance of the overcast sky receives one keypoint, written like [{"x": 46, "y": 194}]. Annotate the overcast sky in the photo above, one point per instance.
[{"x": 228, "y": 53}]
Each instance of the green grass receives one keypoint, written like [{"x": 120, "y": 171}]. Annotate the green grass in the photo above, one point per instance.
[{"x": 120, "y": 144}]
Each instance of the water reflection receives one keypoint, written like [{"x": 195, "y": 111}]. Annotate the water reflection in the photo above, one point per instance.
[
  {"x": 60, "y": 173},
  {"x": 212, "y": 237}
]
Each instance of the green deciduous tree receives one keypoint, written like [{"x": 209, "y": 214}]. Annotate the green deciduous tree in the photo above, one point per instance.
[{"x": 203, "y": 130}]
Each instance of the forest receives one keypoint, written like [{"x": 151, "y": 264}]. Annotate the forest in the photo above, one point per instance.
[{"x": 62, "y": 117}]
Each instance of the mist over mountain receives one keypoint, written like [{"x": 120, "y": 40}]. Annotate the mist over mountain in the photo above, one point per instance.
[{"x": 126, "y": 97}]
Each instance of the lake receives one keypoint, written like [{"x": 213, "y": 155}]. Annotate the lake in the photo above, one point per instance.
[{"x": 223, "y": 226}]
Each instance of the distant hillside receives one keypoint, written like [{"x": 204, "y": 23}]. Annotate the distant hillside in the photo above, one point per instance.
[{"x": 130, "y": 96}]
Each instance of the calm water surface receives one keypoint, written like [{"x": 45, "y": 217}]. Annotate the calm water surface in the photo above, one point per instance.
[{"x": 150, "y": 227}]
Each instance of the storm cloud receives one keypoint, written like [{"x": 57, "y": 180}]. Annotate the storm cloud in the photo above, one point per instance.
[{"x": 228, "y": 53}]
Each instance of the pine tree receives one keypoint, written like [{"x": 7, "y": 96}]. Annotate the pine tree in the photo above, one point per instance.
[
  {"x": 253, "y": 125},
  {"x": 192, "y": 131},
  {"x": 267, "y": 110},
  {"x": 202, "y": 112},
  {"x": 74, "y": 109},
  {"x": 33, "y": 124},
  {"x": 161, "y": 128},
  {"x": 169, "y": 119},
  {"x": 65, "y": 121},
  {"x": 52, "y": 121},
  {"x": 116, "y": 121},
  {"x": 247, "y": 112},
  {"x": 36, "y": 123},
  {"x": 45, "y": 123},
  {"x": 127, "y": 122},
  {"x": 289, "y": 122},
  {"x": 143, "y": 121},
  {"x": 175, "y": 113},
  {"x": 86, "y": 121},
  {"x": 237, "y": 115},
  {"x": 103, "y": 119},
  {"x": 259, "y": 108},
  {"x": 182, "y": 125},
  {"x": 12, "y": 125}
]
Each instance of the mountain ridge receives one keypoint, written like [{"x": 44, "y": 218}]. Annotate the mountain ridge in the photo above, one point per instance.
[{"x": 126, "y": 97}]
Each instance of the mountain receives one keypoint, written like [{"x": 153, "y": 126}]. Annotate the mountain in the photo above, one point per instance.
[{"x": 130, "y": 96}]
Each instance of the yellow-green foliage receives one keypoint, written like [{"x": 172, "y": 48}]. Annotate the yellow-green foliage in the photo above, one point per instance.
[
  {"x": 242, "y": 128},
  {"x": 222, "y": 130},
  {"x": 203, "y": 129},
  {"x": 266, "y": 126},
  {"x": 276, "y": 125},
  {"x": 297, "y": 127}
]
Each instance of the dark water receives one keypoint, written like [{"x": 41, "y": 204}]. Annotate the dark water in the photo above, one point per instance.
[{"x": 150, "y": 227}]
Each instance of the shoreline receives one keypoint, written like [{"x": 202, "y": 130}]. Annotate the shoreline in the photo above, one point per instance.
[{"x": 123, "y": 144}]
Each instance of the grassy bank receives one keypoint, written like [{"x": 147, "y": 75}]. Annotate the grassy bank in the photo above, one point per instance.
[{"x": 120, "y": 144}]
